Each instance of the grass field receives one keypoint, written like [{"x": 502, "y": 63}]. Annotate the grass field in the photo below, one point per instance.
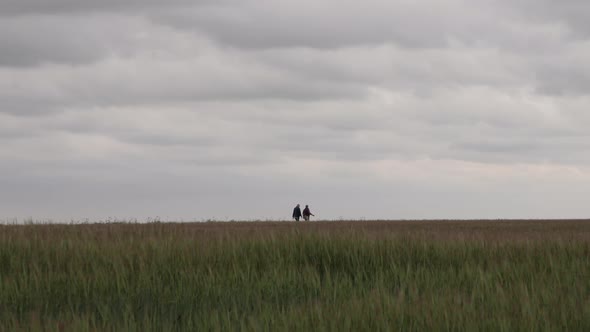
[{"x": 345, "y": 275}]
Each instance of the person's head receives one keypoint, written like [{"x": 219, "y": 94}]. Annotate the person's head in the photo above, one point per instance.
[
  {"x": 307, "y": 206},
  {"x": 297, "y": 205}
]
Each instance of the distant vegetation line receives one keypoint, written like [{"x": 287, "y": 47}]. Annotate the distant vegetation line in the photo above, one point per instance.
[
  {"x": 88, "y": 221},
  {"x": 268, "y": 276}
]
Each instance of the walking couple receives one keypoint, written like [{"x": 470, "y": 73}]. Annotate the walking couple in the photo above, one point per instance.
[{"x": 306, "y": 213}]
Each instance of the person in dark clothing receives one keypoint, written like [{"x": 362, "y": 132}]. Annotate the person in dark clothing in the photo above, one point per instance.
[
  {"x": 307, "y": 213},
  {"x": 297, "y": 213}
]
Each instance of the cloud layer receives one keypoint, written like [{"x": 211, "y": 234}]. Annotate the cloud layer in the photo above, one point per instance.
[{"x": 241, "y": 109}]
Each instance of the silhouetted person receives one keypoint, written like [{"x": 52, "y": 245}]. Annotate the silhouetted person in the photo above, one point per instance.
[
  {"x": 297, "y": 213},
  {"x": 307, "y": 213}
]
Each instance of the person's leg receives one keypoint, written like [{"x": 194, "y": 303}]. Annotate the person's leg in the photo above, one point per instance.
[{"x": 306, "y": 218}]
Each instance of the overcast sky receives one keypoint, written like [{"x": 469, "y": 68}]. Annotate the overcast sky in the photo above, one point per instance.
[{"x": 240, "y": 109}]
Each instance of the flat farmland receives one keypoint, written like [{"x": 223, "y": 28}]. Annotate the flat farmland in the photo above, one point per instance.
[{"x": 330, "y": 275}]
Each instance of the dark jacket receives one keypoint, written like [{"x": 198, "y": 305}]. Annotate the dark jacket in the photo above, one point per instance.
[
  {"x": 296, "y": 212},
  {"x": 306, "y": 212}
]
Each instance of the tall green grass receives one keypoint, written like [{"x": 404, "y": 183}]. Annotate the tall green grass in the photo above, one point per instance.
[{"x": 91, "y": 280}]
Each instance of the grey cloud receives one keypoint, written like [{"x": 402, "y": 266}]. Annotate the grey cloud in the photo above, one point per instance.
[
  {"x": 531, "y": 152},
  {"x": 564, "y": 79},
  {"x": 497, "y": 147},
  {"x": 571, "y": 13},
  {"x": 240, "y": 109},
  {"x": 32, "y": 7},
  {"x": 413, "y": 25},
  {"x": 118, "y": 83},
  {"x": 166, "y": 140},
  {"x": 29, "y": 106},
  {"x": 35, "y": 40},
  {"x": 275, "y": 24}
]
